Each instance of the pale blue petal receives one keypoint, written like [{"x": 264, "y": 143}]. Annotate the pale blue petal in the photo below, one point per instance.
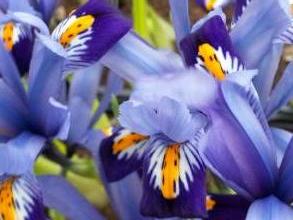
[
  {"x": 175, "y": 120},
  {"x": 45, "y": 86},
  {"x": 195, "y": 88},
  {"x": 29, "y": 19},
  {"x": 114, "y": 85},
  {"x": 269, "y": 208},
  {"x": 128, "y": 189},
  {"x": 83, "y": 91},
  {"x": 47, "y": 7},
  {"x": 18, "y": 155},
  {"x": 20, "y": 6},
  {"x": 138, "y": 59},
  {"x": 282, "y": 139},
  {"x": 282, "y": 93},
  {"x": 62, "y": 196},
  {"x": 285, "y": 189},
  {"x": 253, "y": 36},
  {"x": 180, "y": 18}
]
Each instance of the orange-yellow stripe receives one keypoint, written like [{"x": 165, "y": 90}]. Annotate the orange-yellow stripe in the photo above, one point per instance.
[
  {"x": 7, "y": 36},
  {"x": 210, "y": 4},
  {"x": 211, "y": 62},
  {"x": 80, "y": 25},
  {"x": 7, "y": 207},
  {"x": 170, "y": 172},
  {"x": 127, "y": 141}
]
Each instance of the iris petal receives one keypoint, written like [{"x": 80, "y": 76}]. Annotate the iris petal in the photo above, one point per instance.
[
  {"x": 173, "y": 181},
  {"x": 122, "y": 153},
  {"x": 21, "y": 199}
]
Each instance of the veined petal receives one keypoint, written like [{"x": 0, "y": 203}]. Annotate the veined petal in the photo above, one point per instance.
[
  {"x": 253, "y": 37},
  {"x": 21, "y": 199},
  {"x": 226, "y": 207},
  {"x": 282, "y": 93},
  {"x": 139, "y": 59},
  {"x": 282, "y": 139},
  {"x": 269, "y": 208},
  {"x": 89, "y": 32},
  {"x": 122, "y": 153},
  {"x": 285, "y": 190},
  {"x": 18, "y": 155},
  {"x": 174, "y": 181},
  {"x": 180, "y": 18},
  {"x": 18, "y": 39},
  {"x": 254, "y": 168},
  {"x": 209, "y": 47},
  {"x": 175, "y": 120},
  {"x": 62, "y": 196}
]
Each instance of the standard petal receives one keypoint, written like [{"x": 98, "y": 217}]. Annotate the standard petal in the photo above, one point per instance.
[
  {"x": 269, "y": 208},
  {"x": 122, "y": 153},
  {"x": 45, "y": 80},
  {"x": 183, "y": 89},
  {"x": 20, "y": 6},
  {"x": 282, "y": 139},
  {"x": 46, "y": 8},
  {"x": 253, "y": 36},
  {"x": 236, "y": 146},
  {"x": 180, "y": 18},
  {"x": 62, "y": 196},
  {"x": 83, "y": 91},
  {"x": 286, "y": 179},
  {"x": 174, "y": 181},
  {"x": 128, "y": 189},
  {"x": 114, "y": 85},
  {"x": 90, "y": 32},
  {"x": 226, "y": 207},
  {"x": 282, "y": 93},
  {"x": 18, "y": 155},
  {"x": 139, "y": 59},
  {"x": 21, "y": 198}
]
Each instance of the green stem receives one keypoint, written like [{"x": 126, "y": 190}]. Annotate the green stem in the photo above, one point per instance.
[{"x": 139, "y": 11}]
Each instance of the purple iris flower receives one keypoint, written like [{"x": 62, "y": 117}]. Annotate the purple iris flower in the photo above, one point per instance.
[
  {"x": 76, "y": 34},
  {"x": 32, "y": 119}
]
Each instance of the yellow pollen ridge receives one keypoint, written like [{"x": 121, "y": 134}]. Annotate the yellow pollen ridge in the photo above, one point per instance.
[
  {"x": 127, "y": 141},
  {"x": 210, "y": 4},
  {"x": 207, "y": 53},
  {"x": 7, "y": 36},
  {"x": 170, "y": 171},
  {"x": 77, "y": 27},
  {"x": 210, "y": 203},
  {"x": 7, "y": 206}
]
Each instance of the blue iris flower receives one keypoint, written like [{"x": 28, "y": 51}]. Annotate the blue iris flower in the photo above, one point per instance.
[{"x": 32, "y": 116}]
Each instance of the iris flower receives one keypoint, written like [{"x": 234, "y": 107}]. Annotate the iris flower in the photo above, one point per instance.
[
  {"x": 32, "y": 119},
  {"x": 77, "y": 33}
]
